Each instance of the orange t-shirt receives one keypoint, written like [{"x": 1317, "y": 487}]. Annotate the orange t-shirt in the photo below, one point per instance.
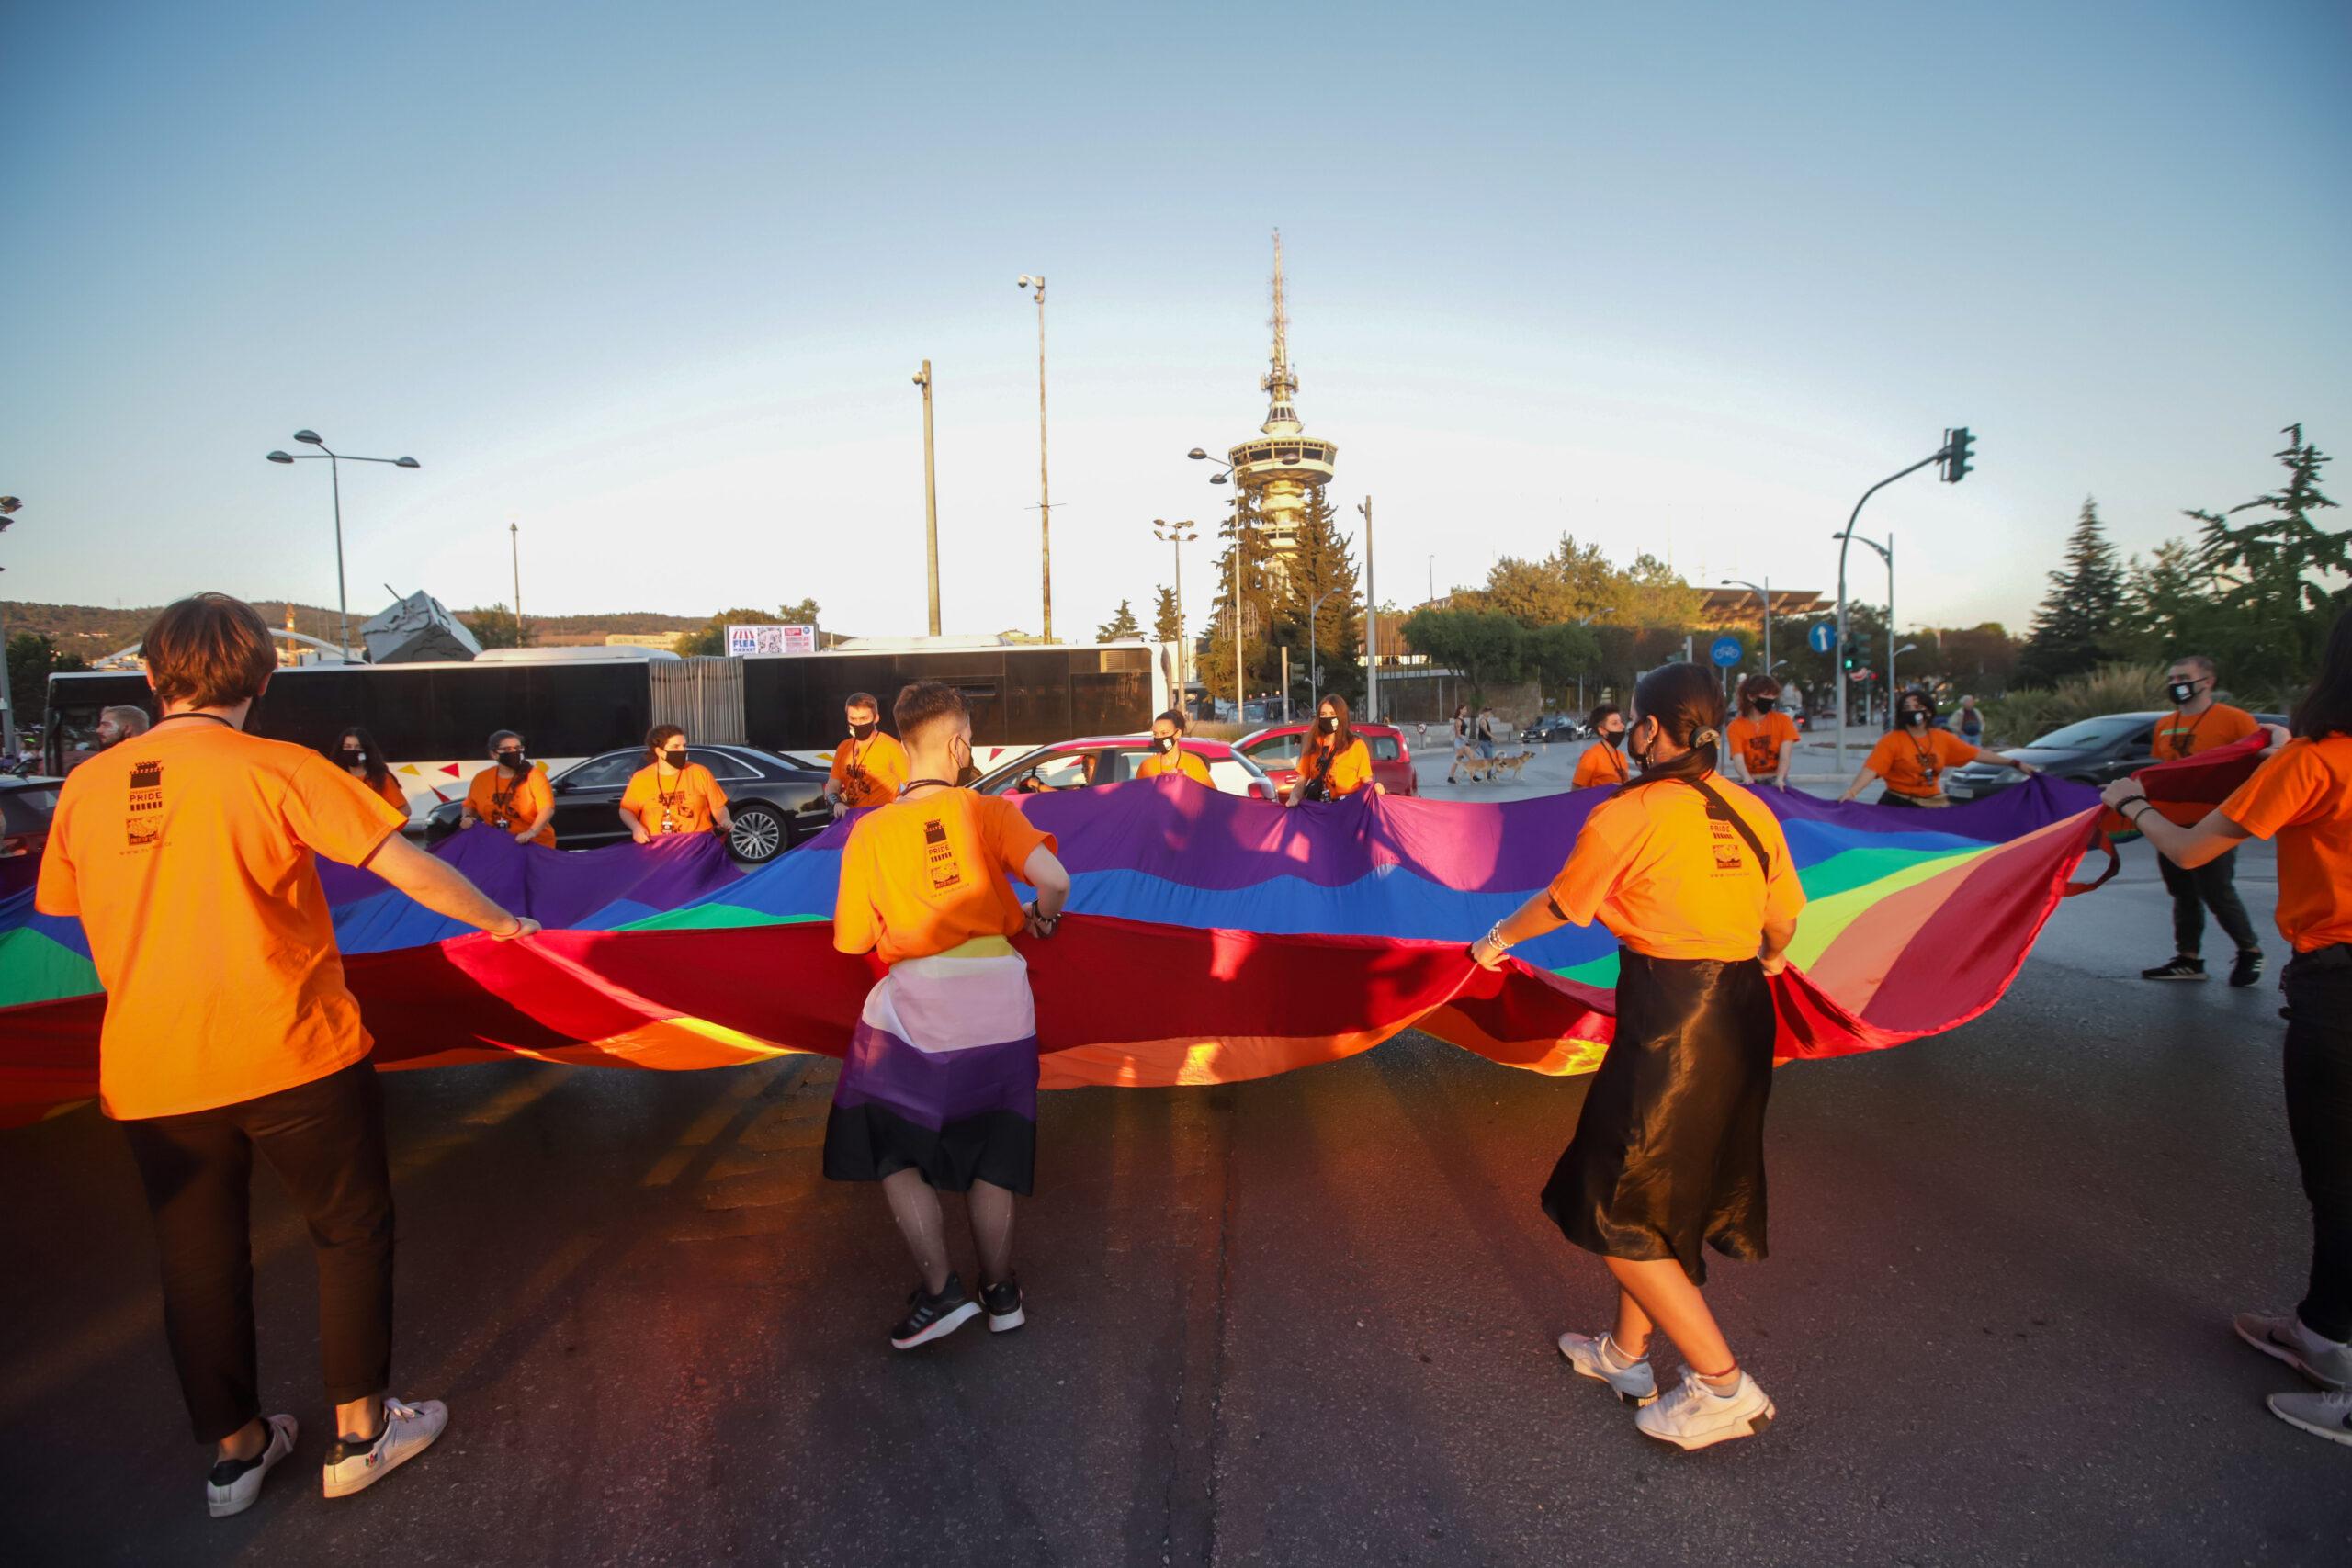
[
  {"x": 1914, "y": 765},
  {"x": 1350, "y": 770},
  {"x": 1182, "y": 764},
  {"x": 1600, "y": 764},
  {"x": 1673, "y": 883},
  {"x": 2302, "y": 797},
  {"x": 689, "y": 803},
  {"x": 186, "y": 853},
  {"x": 496, "y": 794},
  {"x": 2176, "y": 737},
  {"x": 1759, "y": 742},
  {"x": 921, "y": 876},
  {"x": 869, "y": 771},
  {"x": 388, "y": 790}
]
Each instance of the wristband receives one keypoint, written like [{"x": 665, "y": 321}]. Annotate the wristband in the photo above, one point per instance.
[{"x": 1495, "y": 938}]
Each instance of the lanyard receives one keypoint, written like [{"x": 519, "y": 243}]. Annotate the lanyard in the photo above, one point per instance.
[{"x": 2182, "y": 739}]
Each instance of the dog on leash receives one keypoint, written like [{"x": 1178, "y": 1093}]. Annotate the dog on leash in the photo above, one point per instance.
[{"x": 1494, "y": 769}]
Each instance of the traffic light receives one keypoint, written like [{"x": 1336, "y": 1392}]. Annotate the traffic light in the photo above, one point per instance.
[{"x": 1960, "y": 452}]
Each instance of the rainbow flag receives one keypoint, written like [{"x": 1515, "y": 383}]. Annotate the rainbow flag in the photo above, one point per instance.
[{"x": 1212, "y": 939}]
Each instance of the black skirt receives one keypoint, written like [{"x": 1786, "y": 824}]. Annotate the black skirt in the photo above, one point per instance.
[{"x": 1668, "y": 1152}]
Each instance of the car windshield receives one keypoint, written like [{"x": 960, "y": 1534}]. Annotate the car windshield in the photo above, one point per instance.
[
  {"x": 1278, "y": 750},
  {"x": 2090, "y": 733},
  {"x": 27, "y": 810}
]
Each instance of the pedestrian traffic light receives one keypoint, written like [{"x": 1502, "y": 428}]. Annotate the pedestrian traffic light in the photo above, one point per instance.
[{"x": 1960, "y": 451}]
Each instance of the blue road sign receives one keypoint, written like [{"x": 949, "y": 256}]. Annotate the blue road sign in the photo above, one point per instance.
[
  {"x": 1822, "y": 638},
  {"x": 1726, "y": 652}
]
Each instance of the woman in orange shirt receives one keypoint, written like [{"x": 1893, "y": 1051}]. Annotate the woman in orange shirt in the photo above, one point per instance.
[
  {"x": 1763, "y": 739},
  {"x": 1335, "y": 761},
  {"x": 1603, "y": 762},
  {"x": 671, "y": 794},
  {"x": 1693, "y": 875},
  {"x": 1168, "y": 753},
  {"x": 510, "y": 794},
  {"x": 2301, "y": 798},
  {"x": 364, "y": 761},
  {"x": 1913, "y": 756}
]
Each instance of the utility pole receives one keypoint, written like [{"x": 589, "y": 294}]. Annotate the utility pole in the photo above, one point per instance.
[
  {"x": 931, "y": 478},
  {"x": 514, "y": 545},
  {"x": 1953, "y": 454},
  {"x": 1371, "y": 625},
  {"x": 9, "y": 505},
  {"x": 1178, "y": 534},
  {"x": 1045, "y": 491}
]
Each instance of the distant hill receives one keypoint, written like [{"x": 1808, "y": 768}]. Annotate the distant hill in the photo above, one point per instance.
[{"x": 92, "y": 631}]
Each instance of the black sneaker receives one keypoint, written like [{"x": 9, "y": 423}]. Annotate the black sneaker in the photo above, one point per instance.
[
  {"x": 933, "y": 1317},
  {"x": 1003, "y": 1301},
  {"x": 2180, "y": 968},
  {"x": 2248, "y": 969}
]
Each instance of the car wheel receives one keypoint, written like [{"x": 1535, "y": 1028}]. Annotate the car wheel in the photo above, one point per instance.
[{"x": 759, "y": 836}]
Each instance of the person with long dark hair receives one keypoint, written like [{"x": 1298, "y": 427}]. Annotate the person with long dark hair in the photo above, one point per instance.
[
  {"x": 2301, "y": 798},
  {"x": 1693, "y": 875},
  {"x": 1913, "y": 756},
  {"x": 1335, "y": 761},
  {"x": 364, "y": 759}
]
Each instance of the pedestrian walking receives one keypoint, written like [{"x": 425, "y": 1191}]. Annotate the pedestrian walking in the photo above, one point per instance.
[
  {"x": 1693, "y": 876},
  {"x": 510, "y": 794},
  {"x": 188, "y": 853},
  {"x": 1969, "y": 722},
  {"x": 1603, "y": 762},
  {"x": 2199, "y": 723},
  {"x": 1912, "y": 756},
  {"x": 1461, "y": 741},
  {"x": 2301, "y": 799}
]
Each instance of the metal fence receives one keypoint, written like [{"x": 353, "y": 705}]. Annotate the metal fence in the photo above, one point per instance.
[{"x": 703, "y": 695}]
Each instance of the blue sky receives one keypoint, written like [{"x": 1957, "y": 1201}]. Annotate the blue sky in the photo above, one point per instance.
[{"x": 652, "y": 282}]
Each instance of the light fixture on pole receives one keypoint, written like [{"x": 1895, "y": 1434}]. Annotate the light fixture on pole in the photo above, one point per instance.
[
  {"x": 1887, "y": 550},
  {"x": 334, "y": 471},
  {"x": 1044, "y": 491},
  {"x": 1763, "y": 597},
  {"x": 930, "y": 497},
  {"x": 9, "y": 507},
  {"x": 1225, "y": 476},
  {"x": 1315, "y": 648},
  {"x": 1179, "y": 533},
  {"x": 1954, "y": 454}
]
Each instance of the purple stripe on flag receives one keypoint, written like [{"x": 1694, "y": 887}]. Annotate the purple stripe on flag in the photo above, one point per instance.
[{"x": 932, "y": 1088}]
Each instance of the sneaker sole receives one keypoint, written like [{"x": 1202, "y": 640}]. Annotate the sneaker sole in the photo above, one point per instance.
[
  {"x": 2279, "y": 1352},
  {"x": 1637, "y": 1401},
  {"x": 2332, "y": 1434},
  {"x": 1754, "y": 1427},
  {"x": 2199, "y": 978},
  {"x": 1008, "y": 1323},
  {"x": 330, "y": 1487},
  {"x": 941, "y": 1329}
]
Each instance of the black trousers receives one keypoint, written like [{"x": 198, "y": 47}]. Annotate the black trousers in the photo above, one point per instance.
[
  {"x": 325, "y": 1140},
  {"x": 2212, "y": 885},
  {"x": 2319, "y": 1117}
]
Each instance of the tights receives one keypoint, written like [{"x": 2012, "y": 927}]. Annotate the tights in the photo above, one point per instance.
[{"x": 914, "y": 1203}]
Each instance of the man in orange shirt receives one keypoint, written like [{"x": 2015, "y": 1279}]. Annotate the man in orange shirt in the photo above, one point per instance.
[
  {"x": 1912, "y": 756},
  {"x": 512, "y": 794},
  {"x": 1168, "y": 753},
  {"x": 938, "y": 1090},
  {"x": 1603, "y": 762},
  {"x": 1763, "y": 739},
  {"x": 188, "y": 853},
  {"x": 869, "y": 766},
  {"x": 2199, "y": 723}
]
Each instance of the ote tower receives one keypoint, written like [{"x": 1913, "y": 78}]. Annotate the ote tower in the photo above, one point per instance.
[{"x": 1281, "y": 464}]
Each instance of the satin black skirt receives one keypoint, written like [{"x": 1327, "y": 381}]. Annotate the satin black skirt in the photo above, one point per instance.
[{"x": 1668, "y": 1152}]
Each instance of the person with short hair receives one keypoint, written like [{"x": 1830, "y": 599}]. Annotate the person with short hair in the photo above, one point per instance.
[
  {"x": 1763, "y": 739},
  {"x": 1168, "y": 754},
  {"x": 512, "y": 794},
  {"x": 364, "y": 759},
  {"x": 1693, "y": 875},
  {"x": 188, "y": 852},
  {"x": 2199, "y": 723},
  {"x": 1969, "y": 722},
  {"x": 119, "y": 722},
  {"x": 870, "y": 766},
  {"x": 1602, "y": 765},
  {"x": 1912, "y": 756},
  {"x": 672, "y": 794},
  {"x": 1335, "y": 763},
  {"x": 938, "y": 1090}
]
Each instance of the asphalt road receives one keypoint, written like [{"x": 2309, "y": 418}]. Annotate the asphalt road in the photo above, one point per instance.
[{"x": 1304, "y": 1321}]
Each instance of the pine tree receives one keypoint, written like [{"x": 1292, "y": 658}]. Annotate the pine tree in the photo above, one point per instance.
[
  {"x": 1119, "y": 627},
  {"x": 1322, "y": 567},
  {"x": 2268, "y": 569},
  {"x": 1164, "y": 626},
  {"x": 2168, "y": 601},
  {"x": 1240, "y": 531},
  {"x": 2081, "y": 622}
]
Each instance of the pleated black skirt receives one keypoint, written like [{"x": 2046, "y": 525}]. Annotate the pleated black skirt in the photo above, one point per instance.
[{"x": 1668, "y": 1152}]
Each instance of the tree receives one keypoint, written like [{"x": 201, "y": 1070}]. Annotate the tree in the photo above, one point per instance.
[
  {"x": 2080, "y": 624},
  {"x": 1164, "y": 625},
  {"x": 2267, "y": 570},
  {"x": 1120, "y": 626},
  {"x": 1978, "y": 660},
  {"x": 1561, "y": 654},
  {"x": 1322, "y": 567},
  {"x": 1484, "y": 645},
  {"x": 2168, "y": 602},
  {"x": 494, "y": 627},
  {"x": 1242, "y": 533},
  {"x": 711, "y": 640},
  {"x": 32, "y": 659}
]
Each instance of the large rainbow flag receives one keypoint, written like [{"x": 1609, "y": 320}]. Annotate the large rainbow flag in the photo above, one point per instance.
[{"x": 1212, "y": 939}]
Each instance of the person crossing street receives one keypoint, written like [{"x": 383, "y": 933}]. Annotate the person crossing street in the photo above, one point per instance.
[{"x": 2200, "y": 723}]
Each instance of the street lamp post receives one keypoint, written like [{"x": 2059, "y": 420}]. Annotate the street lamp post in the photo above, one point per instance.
[
  {"x": 9, "y": 506},
  {"x": 1044, "y": 491},
  {"x": 1846, "y": 539},
  {"x": 334, "y": 471},
  {"x": 931, "y": 489},
  {"x": 1371, "y": 625},
  {"x": 1225, "y": 475},
  {"x": 1763, "y": 597},
  {"x": 515, "y": 544},
  {"x": 1315, "y": 648},
  {"x": 1178, "y": 534}
]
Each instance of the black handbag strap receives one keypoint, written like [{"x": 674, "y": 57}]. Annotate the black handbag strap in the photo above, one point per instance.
[{"x": 1720, "y": 809}]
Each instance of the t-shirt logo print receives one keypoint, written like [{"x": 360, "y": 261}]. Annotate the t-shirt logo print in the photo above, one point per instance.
[
  {"x": 144, "y": 822},
  {"x": 1727, "y": 856},
  {"x": 945, "y": 872}
]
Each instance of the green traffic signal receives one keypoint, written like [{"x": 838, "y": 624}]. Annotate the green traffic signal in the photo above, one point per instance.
[{"x": 1960, "y": 453}]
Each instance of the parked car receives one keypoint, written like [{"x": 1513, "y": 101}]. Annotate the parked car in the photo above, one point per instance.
[
  {"x": 775, "y": 804},
  {"x": 1111, "y": 758},
  {"x": 2094, "y": 752},
  {"x": 1276, "y": 750},
  {"x": 25, "y": 806},
  {"x": 1553, "y": 727}
]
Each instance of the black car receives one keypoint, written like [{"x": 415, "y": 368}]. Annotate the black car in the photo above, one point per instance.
[
  {"x": 1553, "y": 727},
  {"x": 775, "y": 804},
  {"x": 2095, "y": 752}
]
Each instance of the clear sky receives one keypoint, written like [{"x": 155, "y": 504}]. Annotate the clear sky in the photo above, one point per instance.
[{"x": 653, "y": 281}]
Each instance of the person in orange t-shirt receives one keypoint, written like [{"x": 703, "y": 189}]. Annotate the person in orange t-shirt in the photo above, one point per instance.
[
  {"x": 938, "y": 1090},
  {"x": 1763, "y": 739},
  {"x": 1168, "y": 753},
  {"x": 1335, "y": 763},
  {"x": 1913, "y": 756},
  {"x": 1693, "y": 874},
  {"x": 512, "y": 794},
  {"x": 671, "y": 794},
  {"x": 2301, "y": 798},
  {"x": 2198, "y": 722},
  {"x": 364, "y": 761},
  {"x": 869, "y": 766},
  {"x": 1602, "y": 765},
  {"x": 188, "y": 853}
]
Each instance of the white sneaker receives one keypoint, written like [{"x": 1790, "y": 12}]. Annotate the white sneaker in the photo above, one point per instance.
[
  {"x": 238, "y": 1494},
  {"x": 2285, "y": 1338},
  {"x": 409, "y": 1430},
  {"x": 1635, "y": 1384},
  {"x": 1695, "y": 1417},
  {"x": 2327, "y": 1416}
]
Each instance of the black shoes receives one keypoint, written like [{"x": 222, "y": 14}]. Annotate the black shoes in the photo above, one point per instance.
[
  {"x": 933, "y": 1317},
  {"x": 1003, "y": 1301},
  {"x": 2183, "y": 968},
  {"x": 2248, "y": 969}
]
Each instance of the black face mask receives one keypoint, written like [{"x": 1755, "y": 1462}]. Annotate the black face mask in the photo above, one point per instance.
[
  {"x": 676, "y": 757},
  {"x": 1166, "y": 743},
  {"x": 1614, "y": 740},
  {"x": 1764, "y": 705},
  {"x": 1328, "y": 723},
  {"x": 2182, "y": 692},
  {"x": 1916, "y": 717},
  {"x": 355, "y": 758},
  {"x": 862, "y": 731},
  {"x": 515, "y": 762}
]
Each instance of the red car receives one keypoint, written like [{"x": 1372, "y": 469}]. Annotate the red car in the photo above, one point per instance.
[
  {"x": 1276, "y": 750},
  {"x": 1112, "y": 758}
]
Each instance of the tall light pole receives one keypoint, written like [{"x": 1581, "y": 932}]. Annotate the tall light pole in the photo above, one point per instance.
[
  {"x": 1763, "y": 597},
  {"x": 514, "y": 546},
  {"x": 334, "y": 471},
  {"x": 1178, "y": 534},
  {"x": 1954, "y": 455},
  {"x": 930, "y": 484},
  {"x": 1044, "y": 491},
  {"x": 1371, "y": 625},
  {"x": 1223, "y": 476},
  {"x": 9, "y": 507},
  {"x": 1315, "y": 648}
]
